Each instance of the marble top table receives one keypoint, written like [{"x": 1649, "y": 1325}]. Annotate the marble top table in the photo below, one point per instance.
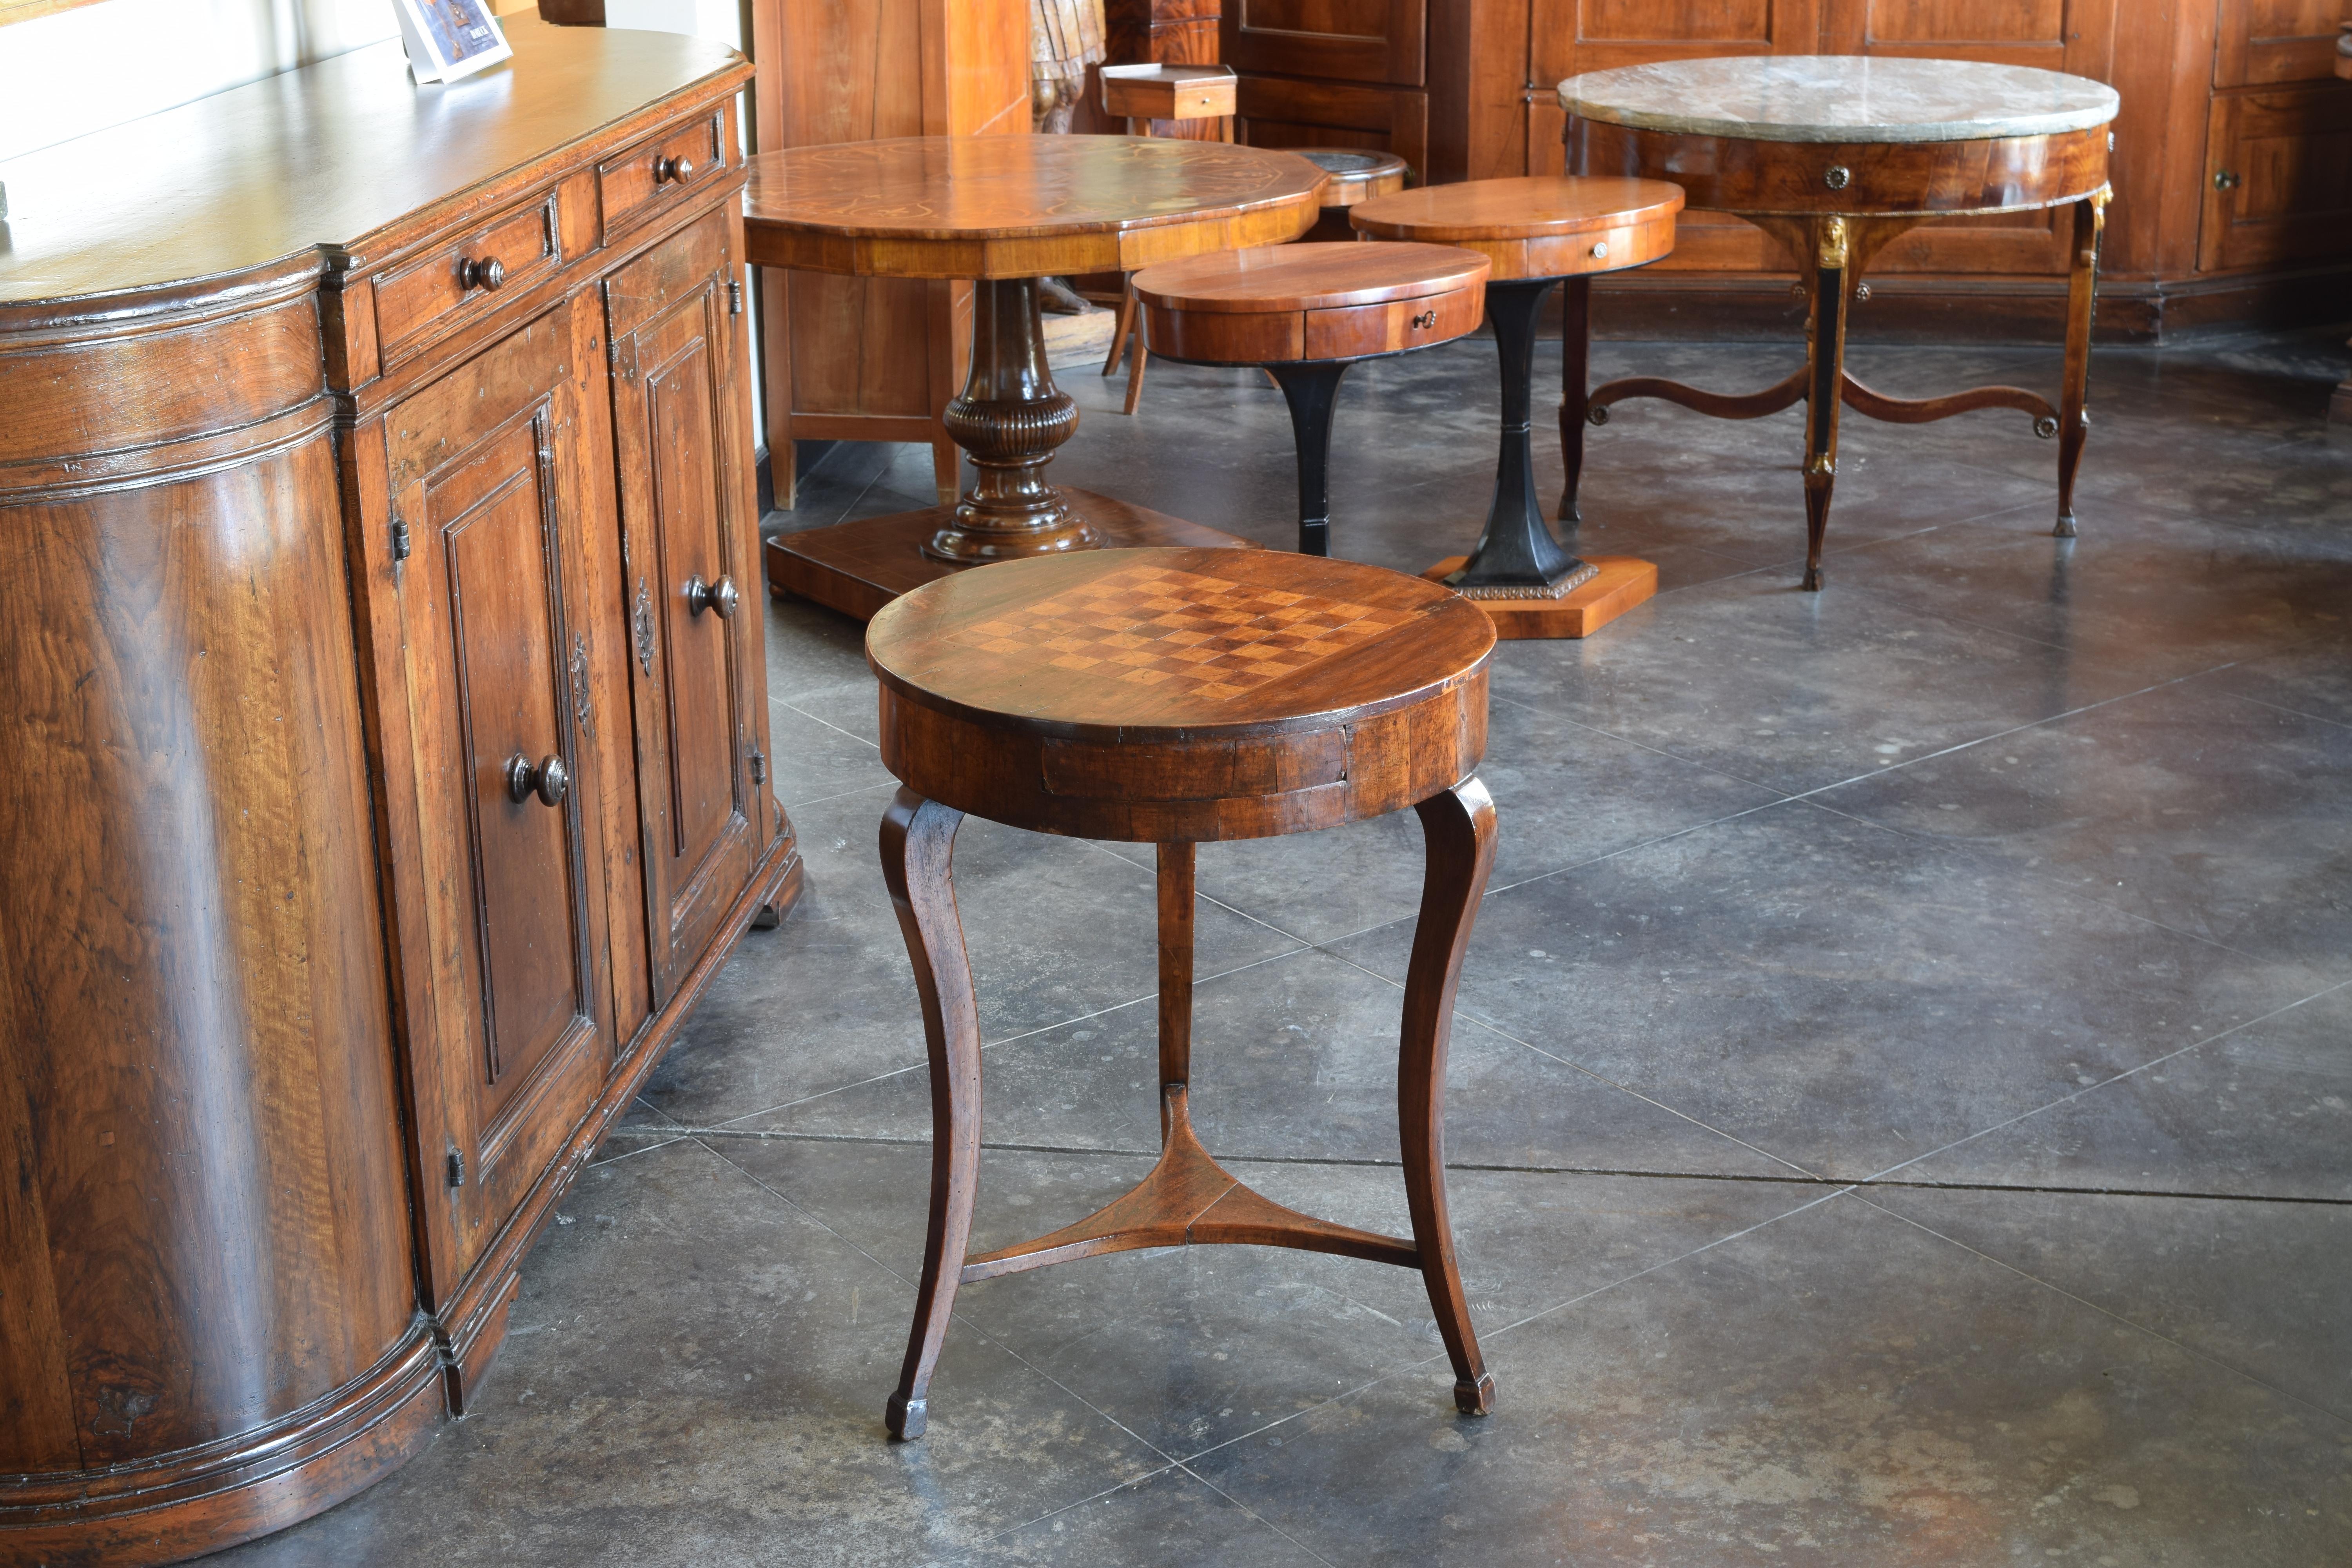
[{"x": 1834, "y": 155}]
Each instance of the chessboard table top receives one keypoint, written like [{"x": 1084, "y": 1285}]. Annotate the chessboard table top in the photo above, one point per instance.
[{"x": 1191, "y": 645}]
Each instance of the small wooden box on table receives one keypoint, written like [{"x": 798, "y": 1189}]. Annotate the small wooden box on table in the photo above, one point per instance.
[
  {"x": 1174, "y": 697},
  {"x": 1536, "y": 231}
]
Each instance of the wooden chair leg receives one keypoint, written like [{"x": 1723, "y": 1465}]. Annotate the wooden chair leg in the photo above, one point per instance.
[
  {"x": 1458, "y": 827},
  {"x": 1119, "y": 327},
  {"x": 1575, "y": 381},
  {"x": 1141, "y": 357},
  {"x": 2081, "y": 305},
  {"x": 918, "y": 845}
]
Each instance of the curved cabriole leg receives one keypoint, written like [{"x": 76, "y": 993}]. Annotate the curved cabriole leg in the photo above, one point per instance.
[
  {"x": 1826, "y": 365},
  {"x": 1458, "y": 828},
  {"x": 918, "y": 841},
  {"x": 2081, "y": 305},
  {"x": 1575, "y": 381}
]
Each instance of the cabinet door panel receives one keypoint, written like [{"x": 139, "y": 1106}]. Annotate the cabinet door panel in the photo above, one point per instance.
[
  {"x": 686, "y": 529},
  {"x": 1339, "y": 40},
  {"x": 2278, "y": 178},
  {"x": 486, "y": 476},
  {"x": 2262, "y": 41}
]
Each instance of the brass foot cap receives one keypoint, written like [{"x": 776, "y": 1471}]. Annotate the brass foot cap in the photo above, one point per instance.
[
  {"x": 1475, "y": 1398},
  {"x": 905, "y": 1417}
]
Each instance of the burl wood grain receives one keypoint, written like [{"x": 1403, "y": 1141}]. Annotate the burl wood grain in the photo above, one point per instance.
[{"x": 1019, "y": 206}]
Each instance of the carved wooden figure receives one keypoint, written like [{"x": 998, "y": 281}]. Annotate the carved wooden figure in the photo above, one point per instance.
[{"x": 1192, "y": 696}]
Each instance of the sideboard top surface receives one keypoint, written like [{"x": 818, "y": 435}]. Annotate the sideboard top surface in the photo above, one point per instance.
[{"x": 317, "y": 160}]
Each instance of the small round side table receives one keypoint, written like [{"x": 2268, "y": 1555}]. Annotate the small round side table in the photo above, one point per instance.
[
  {"x": 1537, "y": 231},
  {"x": 1174, "y": 697},
  {"x": 1834, "y": 155},
  {"x": 1306, "y": 312},
  {"x": 1354, "y": 174}
]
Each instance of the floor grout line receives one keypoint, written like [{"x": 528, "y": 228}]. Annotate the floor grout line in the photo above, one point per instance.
[
  {"x": 2188, "y": 1350},
  {"x": 659, "y": 1136}
]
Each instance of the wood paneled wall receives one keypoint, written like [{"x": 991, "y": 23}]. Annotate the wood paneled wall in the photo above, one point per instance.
[{"x": 2233, "y": 152}]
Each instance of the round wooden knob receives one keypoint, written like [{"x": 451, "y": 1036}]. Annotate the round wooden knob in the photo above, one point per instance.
[
  {"x": 673, "y": 170},
  {"x": 551, "y": 780},
  {"x": 720, "y": 598},
  {"x": 487, "y": 272}
]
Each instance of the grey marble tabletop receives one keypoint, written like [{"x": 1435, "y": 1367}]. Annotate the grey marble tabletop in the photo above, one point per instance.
[{"x": 1839, "y": 98}]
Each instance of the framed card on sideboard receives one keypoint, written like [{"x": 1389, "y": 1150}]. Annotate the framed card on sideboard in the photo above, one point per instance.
[{"x": 450, "y": 38}]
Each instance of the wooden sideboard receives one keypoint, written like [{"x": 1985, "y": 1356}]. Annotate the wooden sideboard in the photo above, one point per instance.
[
  {"x": 2234, "y": 197},
  {"x": 387, "y": 752}
]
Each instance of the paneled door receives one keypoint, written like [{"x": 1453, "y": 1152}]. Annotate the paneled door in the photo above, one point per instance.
[
  {"x": 487, "y": 480},
  {"x": 687, "y": 538},
  {"x": 1383, "y": 41}
]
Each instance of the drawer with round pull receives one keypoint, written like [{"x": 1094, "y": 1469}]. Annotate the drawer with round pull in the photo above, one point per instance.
[
  {"x": 659, "y": 171},
  {"x": 1351, "y": 331},
  {"x": 422, "y": 299}
]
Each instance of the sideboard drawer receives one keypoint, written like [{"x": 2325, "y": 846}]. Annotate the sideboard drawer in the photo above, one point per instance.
[
  {"x": 680, "y": 159},
  {"x": 423, "y": 299}
]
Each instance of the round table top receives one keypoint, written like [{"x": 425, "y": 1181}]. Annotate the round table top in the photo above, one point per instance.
[
  {"x": 1019, "y": 206},
  {"x": 1526, "y": 208},
  {"x": 1318, "y": 277},
  {"x": 1839, "y": 98},
  {"x": 1355, "y": 171},
  {"x": 1185, "y": 646}
]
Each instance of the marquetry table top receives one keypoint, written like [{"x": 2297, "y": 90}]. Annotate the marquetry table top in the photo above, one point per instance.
[
  {"x": 1839, "y": 98},
  {"x": 1020, "y": 205},
  {"x": 1135, "y": 642}
]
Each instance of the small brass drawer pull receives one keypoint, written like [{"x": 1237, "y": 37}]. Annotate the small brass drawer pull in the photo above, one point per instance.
[
  {"x": 551, "y": 780},
  {"x": 1600, "y": 250},
  {"x": 1838, "y": 177},
  {"x": 1426, "y": 319},
  {"x": 487, "y": 273},
  {"x": 720, "y": 597},
  {"x": 673, "y": 170}
]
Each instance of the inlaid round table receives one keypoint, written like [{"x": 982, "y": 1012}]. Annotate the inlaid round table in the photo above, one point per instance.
[
  {"x": 1004, "y": 211},
  {"x": 1176, "y": 697},
  {"x": 1834, "y": 155}
]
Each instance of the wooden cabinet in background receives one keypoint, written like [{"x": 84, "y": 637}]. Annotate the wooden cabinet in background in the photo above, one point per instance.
[
  {"x": 387, "y": 756},
  {"x": 876, "y": 359},
  {"x": 2232, "y": 165}
]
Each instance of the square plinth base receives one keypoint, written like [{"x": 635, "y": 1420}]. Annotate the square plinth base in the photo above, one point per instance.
[
  {"x": 858, "y": 567},
  {"x": 1621, "y": 582}
]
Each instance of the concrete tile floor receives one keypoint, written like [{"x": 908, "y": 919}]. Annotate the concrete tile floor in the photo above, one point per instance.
[{"x": 1900, "y": 1104}]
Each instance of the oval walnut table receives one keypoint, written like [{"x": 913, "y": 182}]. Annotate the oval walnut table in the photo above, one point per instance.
[
  {"x": 1537, "y": 231},
  {"x": 1004, "y": 211},
  {"x": 1834, "y": 155},
  {"x": 1307, "y": 312},
  {"x": 1177, "y": 696}
]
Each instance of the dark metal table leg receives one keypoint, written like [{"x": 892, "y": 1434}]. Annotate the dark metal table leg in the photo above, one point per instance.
[
  {"x": 1311, "y": 387},
  {"x": 1517, "y": 557}
]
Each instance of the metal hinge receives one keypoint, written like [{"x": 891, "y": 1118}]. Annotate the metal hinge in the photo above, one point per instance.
[
  {"x": 734, "y": 297},
  {"x": 759, "y": 765},
  {"x": 400, "y": 543},
  {"x": 456, "y": 1168}
]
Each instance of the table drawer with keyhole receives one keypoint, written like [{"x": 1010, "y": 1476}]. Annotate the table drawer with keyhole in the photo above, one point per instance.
[
  {"x": 1352, "y": 331},
  {"x": 420, "y": 301},
  {"x": 660, "y": 169}
]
